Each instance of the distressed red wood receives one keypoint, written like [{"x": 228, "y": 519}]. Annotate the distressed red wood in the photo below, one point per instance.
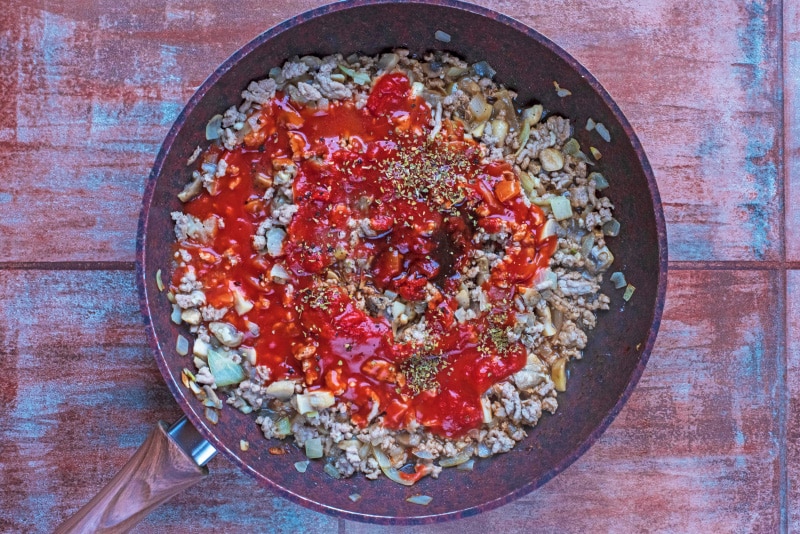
[{"x": 707, "y": 442}]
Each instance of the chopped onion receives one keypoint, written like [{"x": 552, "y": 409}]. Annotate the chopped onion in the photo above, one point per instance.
[
  {"x": 212, "y": 415},
  {"x": 240, "y": 302},
  {"x": 355, "y": 497},
  {"x": 628, "y": 293},
  {"x": 442, "y": 36},
  {"x": 226, "y": 372},
  {"x": 484, "y": 451},
  {"x": 226, "y": 333},
  {"x": 301, "y": 466},
  {"x": 214, "y": 128},
  {"x": 528, "y": 183},
  {"x": 314, "y": 448},
  {"x": 561, "y": 208},
  {"x": 600, "y": 181},
  {"x": 278, "y": 274},
  {"x": 176, "y": 314},
  {"x": 486, "y": 407},
  {"x": 417, "y": 88},
  {"x": 249, "y": 353},
  {"x": 281, "y": 389},
  {"x": 467, "y": 466},
  {"x": 533, "y": 114},
  {"x": 551, "y": 159},
  {"x": 590, "y": 124},
  {"x": 595, "y": 153},
  {"x": 524, "y": 137},
  {"x": 423, "y": 455},
  {"x": 559, "y": 374},
  {"x": 484, "y": 70},
  {"x": 603, "y": 131},
  {"x": 398, "y": 308},
  {"x": 479, "y": 108},
  {"x": 347, "y": 443},
  {"x": 275, "y": 238},
  {"x": 159, "y": 283},
  {"x": 549, "y": 229},
  {"x": 200, "y": 348},
  {"x": 618, "y": 279},
  {"x": 572, "y": 147},
  {"x": 314, "y": 400},
  {"x": 359, "y": 78},
  {"x": 283, "y": 427},
  {"x": 244, "y": 445},
  {"x": 182, "y": 346},
  {"x": 455, "y": 460},
  {"x": 611, "y": 228},
  {"x": 388, "y": 61},
  {"x": 423, "y": 500},
  {"x": 332, "y": 471}
]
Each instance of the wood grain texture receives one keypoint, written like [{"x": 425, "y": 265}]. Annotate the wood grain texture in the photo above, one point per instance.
[
  {"x": 793, "y": 409},
  {"x": 708, "y": 442},
  {"x": 159, "y": 470},
  {"x": 791, "y": 77},
  {"x": 699, "y": 83},
  {"x": 695, "y": 449}
]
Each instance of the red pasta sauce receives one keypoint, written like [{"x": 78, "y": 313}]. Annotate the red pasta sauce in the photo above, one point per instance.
[{"x": 424, "y": 200}]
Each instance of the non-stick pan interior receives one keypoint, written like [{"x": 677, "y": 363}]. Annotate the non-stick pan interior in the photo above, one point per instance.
[{"x": 618, "y": 347}]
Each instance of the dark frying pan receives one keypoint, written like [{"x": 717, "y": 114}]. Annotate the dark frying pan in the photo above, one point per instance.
[{"x": 599, "y": 385}]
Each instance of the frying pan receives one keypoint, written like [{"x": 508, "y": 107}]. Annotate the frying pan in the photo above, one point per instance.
[{"x": 599, "y": 385}]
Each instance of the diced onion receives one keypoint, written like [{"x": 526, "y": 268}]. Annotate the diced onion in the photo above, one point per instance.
[
  {"x": 388, "y": 61},
  {"x": 423, "y": 500},
  {"x": 467, "y": 466},
  {"x": 442, "y": 36},
  {"x": 212, "y": 415},
  {"x": 455, "y": 460},
  {"x": 628, "y": 293},
  {"x": 618, "y": 279},
  {"x": 279, "y": 274},
  {"x": 611, "y": 228},
  {"x": 176, "y": 314},
  {"x": 281, "y": 389},
  {"x": 182, "y": 346},
  {"x": 226, "y": 372},
  {"x": 283, "y": 427},
  {"x": 301, "y": 466},
  {"x": 600, "y": 181},
  {"x": 214, "y": 128},
  {"x": 551, "y": 159},
  {"x": 590, "y": 124},
  {"x": 561, "y": 207},
  {"x": 559, "y": 374},
  {"x": 275, "y": 238},
  {"x": 244, "y": 445},
  {"x": 423, "y": 455},
  {"x": 331, "y": 470},
  {"x": 603, "y": 131},
  {"x": 159, "y": 283},
  {"x": 314, "y": 448},
  {"x": 200, "y": 348},
  {"x": 355, "y": 497},
  {"x": 484, "y": 70}
]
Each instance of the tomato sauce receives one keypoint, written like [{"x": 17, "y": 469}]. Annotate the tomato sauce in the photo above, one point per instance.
[{"x": 422, "y": 201}]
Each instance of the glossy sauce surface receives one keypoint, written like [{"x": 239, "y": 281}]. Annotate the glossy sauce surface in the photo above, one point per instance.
[{"x": 422, "y": 202}]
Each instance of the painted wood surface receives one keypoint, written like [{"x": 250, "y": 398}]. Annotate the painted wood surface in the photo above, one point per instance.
[
  {"x": 708, "y": 442},
  {"x": 92, "y": 87}
]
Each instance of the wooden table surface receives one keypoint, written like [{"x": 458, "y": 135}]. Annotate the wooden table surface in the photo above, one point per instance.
[{"x": 707, "y": 443}]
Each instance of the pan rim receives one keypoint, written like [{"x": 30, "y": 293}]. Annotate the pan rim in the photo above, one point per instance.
[{"x": 202, "y": 427}]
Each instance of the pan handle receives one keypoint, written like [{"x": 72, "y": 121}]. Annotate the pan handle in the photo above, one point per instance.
[{"x": 168, "y": 462}]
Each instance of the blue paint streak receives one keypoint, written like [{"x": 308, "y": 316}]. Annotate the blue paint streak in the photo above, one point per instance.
[
  {"x": 754, "y": 43},
  {"x": 690, "y": 241}
]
